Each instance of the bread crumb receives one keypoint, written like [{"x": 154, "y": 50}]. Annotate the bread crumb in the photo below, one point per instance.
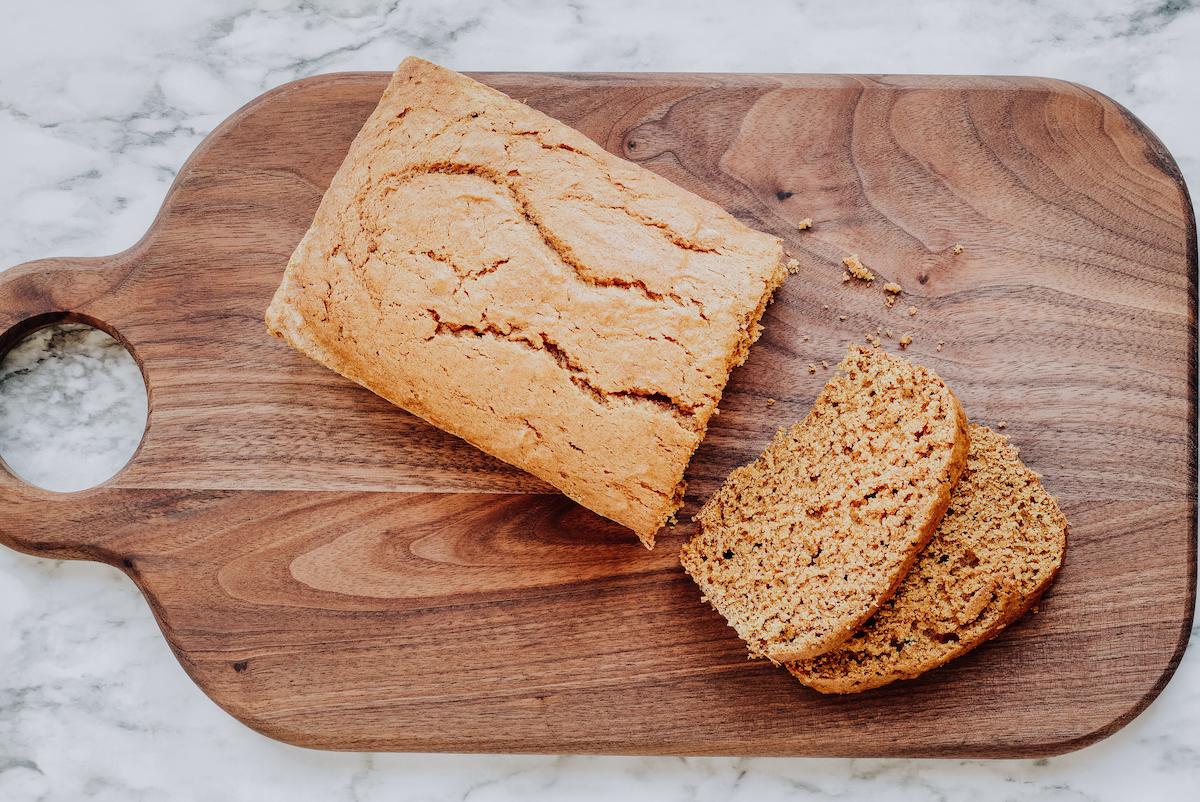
[
  {"x": 846, "y": 277},
  {"x": 716, "y": 412},
  {"x": 958, "y": 248},
  {"x": 805, "y": 338},
  {"x": 793, "y": 267},
  {"x": 1002, "y": 424},
  {"x": 812, "y": 368},
  {"x": 824, "y": 364},
  {"x": 841, "y": 317},
  {"x": 873, "y": 340},
  {"x": 856, "y": 269},
  {"x": 825, "y": 307},
  {"x": 940, "y": 344},
  {"x": 905, "y": 341},
  {"x": 912, "y": 311},
  {"x": 891, "y": 291},
  {"x": 805, "y": 224},
  {"x": 888, "y": 333},
  {"x": 770, "y": 402}
]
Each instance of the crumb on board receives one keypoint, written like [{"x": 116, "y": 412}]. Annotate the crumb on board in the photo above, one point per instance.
[
  {"x": 812, "y": 368},
  {"x": 793, "y": 267},
  {"x": 940, "y": 344},
  {"x": 805, "y": 224},
  {"x": 1002, "y": 424},
  {"x": 825, "y": 307},
  {"x": 958, "y": 248},
  {"x": 905, "y": 341},
  {"x": 806, "y": 338},
  {"x": 874, "y": 340},
  {"x": 888, "y": 333},
  {"x": 891, "y": 292},
  {"x": 716, "y": 412},
  {"x": 824, "y": 364},
  {"x": 856, "y": 269},
  {"x": 841, "y": 317},
  {"x": 912, "y": 311}
]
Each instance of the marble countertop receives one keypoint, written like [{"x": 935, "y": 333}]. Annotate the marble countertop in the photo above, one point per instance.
[{"x": 101, "y": 103}]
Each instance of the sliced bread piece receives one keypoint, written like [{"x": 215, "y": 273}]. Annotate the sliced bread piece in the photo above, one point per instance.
[
  {"x": 996, "y": 551},
  {"x": 799, "y": 548}
]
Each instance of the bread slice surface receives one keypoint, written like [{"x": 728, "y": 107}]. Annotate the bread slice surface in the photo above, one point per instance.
[
  {"x": 799, "y": 548},
  {"x": 997, "y": 549},
  {"x": 502, "y": 276}
]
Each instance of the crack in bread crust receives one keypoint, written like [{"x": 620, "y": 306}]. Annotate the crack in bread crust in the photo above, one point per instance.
[
  {"x": 683, "y": 411},
  {"x": 539, "y": 341},
  {"x": 672, "y": 236},
  {"x": 554, "y": 245}
]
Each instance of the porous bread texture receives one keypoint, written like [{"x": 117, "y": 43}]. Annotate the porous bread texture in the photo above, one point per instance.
[
  {"x": 500, "y": 275},
  {"x": 799, "y": 548},
  {"x": 997, "y": 549}
]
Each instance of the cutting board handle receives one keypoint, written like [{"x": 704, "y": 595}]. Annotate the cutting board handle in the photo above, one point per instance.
[
  {"x": 32, "y": 296},
  {"x": 47, "y": 291}
]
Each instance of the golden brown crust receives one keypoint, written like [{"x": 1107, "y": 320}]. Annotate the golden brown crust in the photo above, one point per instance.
[
  {"x": 505, "y": 278},
  {"x": 799, "y": 548},
  {"x": 995, "y": 553}
]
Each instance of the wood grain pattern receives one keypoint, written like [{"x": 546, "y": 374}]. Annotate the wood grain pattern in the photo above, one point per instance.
[{"x": 337, "y": 574}]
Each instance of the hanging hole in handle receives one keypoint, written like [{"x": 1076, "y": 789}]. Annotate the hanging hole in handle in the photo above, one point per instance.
[{"x": 74, "y": 403}]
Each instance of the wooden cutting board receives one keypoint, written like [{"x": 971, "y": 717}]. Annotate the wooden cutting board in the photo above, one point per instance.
[{"x": 337, "y": 574}]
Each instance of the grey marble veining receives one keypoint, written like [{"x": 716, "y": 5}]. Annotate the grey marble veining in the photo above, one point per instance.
[{"x": 101, "y": 103}]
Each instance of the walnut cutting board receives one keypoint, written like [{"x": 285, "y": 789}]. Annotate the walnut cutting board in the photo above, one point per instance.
[{"x": 337, "y": 574}]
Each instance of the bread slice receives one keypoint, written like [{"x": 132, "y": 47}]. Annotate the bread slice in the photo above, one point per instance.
[
  {"x": 996, "y": 551},
  {"x": 508, "y": 280},
  {"x": 799, "y": 548}
]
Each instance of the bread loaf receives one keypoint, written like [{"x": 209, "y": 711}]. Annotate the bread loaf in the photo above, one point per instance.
[{"x": 508, "y": 280}]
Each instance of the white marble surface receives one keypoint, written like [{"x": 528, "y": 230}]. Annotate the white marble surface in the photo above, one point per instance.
[{"x": 100, "y": 103}]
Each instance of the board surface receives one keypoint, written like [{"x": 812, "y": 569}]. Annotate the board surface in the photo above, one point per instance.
[{"x": 336, "y": 573}]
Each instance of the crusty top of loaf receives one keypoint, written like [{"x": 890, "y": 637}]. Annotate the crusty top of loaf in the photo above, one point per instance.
[
  {"x": 797, "y": 549},
  {"x": 499, "y": 274},
  {"x": 996, "y": 550}
]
